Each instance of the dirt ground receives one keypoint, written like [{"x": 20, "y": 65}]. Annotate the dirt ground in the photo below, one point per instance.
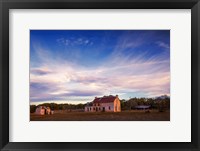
[{"x": 134, "y": 115}]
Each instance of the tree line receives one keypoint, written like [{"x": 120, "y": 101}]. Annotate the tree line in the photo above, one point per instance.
[{"x": 161, "y": 103}]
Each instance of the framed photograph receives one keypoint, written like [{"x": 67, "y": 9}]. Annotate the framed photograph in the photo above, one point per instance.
[{"x": 99, "y": 75}]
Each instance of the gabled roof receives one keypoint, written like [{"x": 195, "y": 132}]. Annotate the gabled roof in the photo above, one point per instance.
[{"x": 105, "y": 99}]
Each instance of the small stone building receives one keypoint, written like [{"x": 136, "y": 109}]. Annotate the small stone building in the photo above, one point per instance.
[
  {"x": 104, "y": 104},
  {"x": 41, "y": 110}
]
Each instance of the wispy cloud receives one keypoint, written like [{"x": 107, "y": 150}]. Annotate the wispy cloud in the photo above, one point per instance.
[
  {"x": 162, "y": 44},
  {"x": 74, "y": 41}
]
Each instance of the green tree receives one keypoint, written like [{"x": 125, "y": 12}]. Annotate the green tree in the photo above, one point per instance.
[{"x": 32, "y": 108}]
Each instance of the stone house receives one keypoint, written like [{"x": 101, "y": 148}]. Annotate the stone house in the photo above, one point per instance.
[
  {"x": 42, "y": 110},
  {"x": 104, "y": 104}
]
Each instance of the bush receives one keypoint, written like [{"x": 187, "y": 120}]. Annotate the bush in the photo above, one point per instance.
[{"x": 32, "y": 108}]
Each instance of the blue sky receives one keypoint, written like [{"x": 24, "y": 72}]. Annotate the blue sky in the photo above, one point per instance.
[{"x": 77, "y": 65}]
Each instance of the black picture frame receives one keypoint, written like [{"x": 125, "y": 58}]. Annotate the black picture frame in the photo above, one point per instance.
[{"x": 5, "y": 5}]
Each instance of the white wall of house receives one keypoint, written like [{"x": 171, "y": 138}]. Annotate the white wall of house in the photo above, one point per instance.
[{"x": 107, "y": 107}]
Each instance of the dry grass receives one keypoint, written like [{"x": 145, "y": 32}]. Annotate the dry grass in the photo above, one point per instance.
[{"x": 154, "y": 115}]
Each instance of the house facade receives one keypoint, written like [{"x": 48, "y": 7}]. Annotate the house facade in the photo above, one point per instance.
[{"x": 104, "y": 104}]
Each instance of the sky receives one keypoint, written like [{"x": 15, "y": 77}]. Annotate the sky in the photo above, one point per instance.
[{"x": 74, "y": 66}]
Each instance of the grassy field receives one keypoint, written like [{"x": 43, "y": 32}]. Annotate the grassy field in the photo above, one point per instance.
[{"x": 135, "y": 115}]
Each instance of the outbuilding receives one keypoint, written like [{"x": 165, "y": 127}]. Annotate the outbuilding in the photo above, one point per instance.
[
  {"x": 142, "y": 107},
  {"x": 42, "y": 110}
]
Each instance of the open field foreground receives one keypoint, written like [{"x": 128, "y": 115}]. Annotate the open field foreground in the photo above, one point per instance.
[{"x": 136, "y": 115}]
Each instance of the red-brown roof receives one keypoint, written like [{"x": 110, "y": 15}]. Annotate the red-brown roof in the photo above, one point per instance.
[{"x": 105, "y": 99}]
